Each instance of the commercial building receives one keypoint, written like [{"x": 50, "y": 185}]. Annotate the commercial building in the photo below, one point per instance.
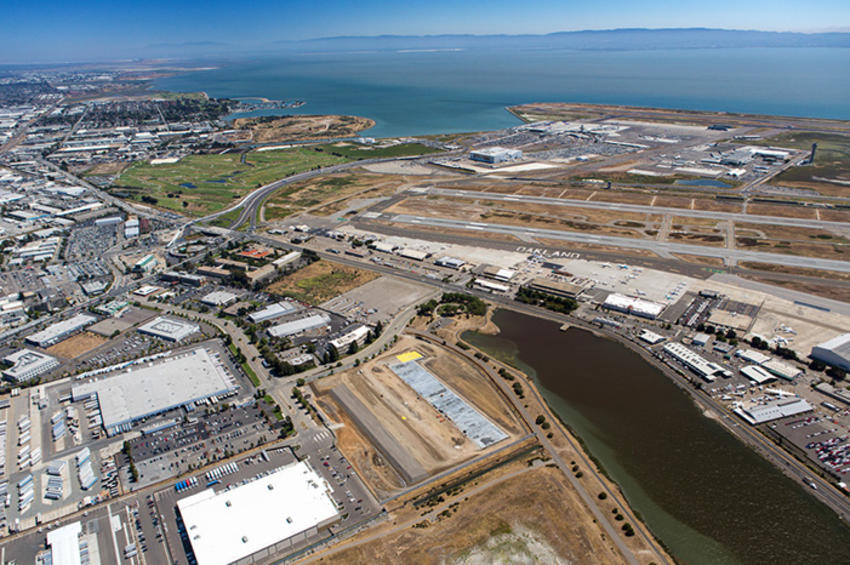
[
  {"x": 169, "y": 329},
  {"x": 414, "y": 254},
  {"x": 219, "y": 298},
  {"x": 183, "y": 278},
  {"x": 27, "y": 364},
  {"x": 556, "y": 288},
  {"x": 835, "y": 352},
  {"x": 298, "y": 326},
  {"x": 144, "y": 264},
  {"x": 707, "y": 370},
  {"x": 153, "y": 388},
  {"x": 213, "y": 272},
  {"x": 632, "y": 305},
  {"x": 357, "y": 334},
  {"x": 55, "y": 333},
  {"x": 839, "y": 394},
  {"x": 272, "y": 311},
  {"x": 228, "y": 526},
  {"x": 495, "y": 155},
  {"x": 762, "y": 413}
]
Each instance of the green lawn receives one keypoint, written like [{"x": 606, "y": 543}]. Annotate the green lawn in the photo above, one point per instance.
[
  {"x": 212, "y": 182},
  {"x": 356, "y": 151}
]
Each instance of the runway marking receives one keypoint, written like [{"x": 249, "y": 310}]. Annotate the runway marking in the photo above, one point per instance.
[
  {"x": 692, "y": 203},
  {"x": 652, "y": 202},
  {"x": 592, "y": 194}
]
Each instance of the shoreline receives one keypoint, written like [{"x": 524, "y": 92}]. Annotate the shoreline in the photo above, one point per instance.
[
  {"x": 574, "y": 441},
  {"x": 753, "y": 439}
]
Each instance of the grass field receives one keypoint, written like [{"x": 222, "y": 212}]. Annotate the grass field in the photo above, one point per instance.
[
  {"x": 202, "y": 184},
  {"x": 829, "y": 174},
  {"x": 321, "y": 281}
]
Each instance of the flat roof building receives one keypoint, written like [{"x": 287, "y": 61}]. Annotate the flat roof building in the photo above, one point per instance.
[
  {"x": 27, "y": 364},
  {"x": 782, "y": 370},
  {"x": 698, "y": 364},
  {"x": 156, "y": 387},
  {"x": 835, "y": 352},
  {"x": 556, "y": 288},
  {"x": 219, "y": 298},
  {"x": 169, "y": 329},
  {"x": 762, "y": 413},
  {"x": 491, "y": 286},
  {"x": 450, "y": 262},
  {"x": 632, "y": 305},
  {"x": 757, "y": 374},
  {"x": 357, "y": 334},
  {"x": 272, "y": 311},
  {"x": 287, "y": 329},
  {"x": 55, "y": 333},
  {"x": 228, "y": 526},
  {"x": 495, "y": 155}
]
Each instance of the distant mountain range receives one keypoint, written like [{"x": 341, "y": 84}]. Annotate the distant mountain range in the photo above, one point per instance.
[{"x": 614, "y": 39}]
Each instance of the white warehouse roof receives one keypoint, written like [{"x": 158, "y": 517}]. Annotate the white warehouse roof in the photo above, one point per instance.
[
  {"x": 55, "y": 332},
  {"x": 773, "y": 410},
  {"x": 272, "y": 311},
  {"x": 169, "y": 328},
  {"x": 632, "y": 305},
  {"x": 834, "y": 352},
  {"x": 156, "y": 387},
  {"x": 297, "y": 326},
  {"x": 227, "y": 526}
]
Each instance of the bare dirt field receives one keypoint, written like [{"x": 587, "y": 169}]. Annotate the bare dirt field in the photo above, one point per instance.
[
  {"x": 77, "y": 345},
  {"x": 545, "y": 515},
  {"x": 834, "y": 215},
  {"x": 624, "y": 197},
  {"x": 267, "y": 129},
  {"x": 321, "y": 281},
  {"x": 709, "y": 261},
  {"x": 717, "y": 205},
  {"x": 429, "y": 436}
]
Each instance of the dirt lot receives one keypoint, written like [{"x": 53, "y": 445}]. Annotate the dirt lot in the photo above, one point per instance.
[
  {"x": 265, "y": 130},
  {"x": 709, "y": 261},
  {"x": 77, "y": 345},
  {"x": 321, "y": 281},
  {"x": 328, "y": 194},
  {"x": 780, "y": 210},
  {"x": 531, "y": 515}
]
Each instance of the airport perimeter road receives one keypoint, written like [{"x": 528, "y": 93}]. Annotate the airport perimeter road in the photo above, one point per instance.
[
  {"x": 639, "y": 208},
  {"x": 784, "y": 461},
  {"x": 665, "y": 247}
]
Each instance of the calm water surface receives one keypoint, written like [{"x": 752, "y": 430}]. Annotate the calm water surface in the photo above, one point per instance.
[
  {"x": 427, "y": 93},
  {"x": 706, "y": 495}
]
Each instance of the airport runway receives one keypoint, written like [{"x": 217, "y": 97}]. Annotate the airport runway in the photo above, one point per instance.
[
  {"x": 663, "y": 247},
  {"x": 640, "y": 209}
]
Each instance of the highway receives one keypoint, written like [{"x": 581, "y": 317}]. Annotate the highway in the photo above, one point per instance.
[
  {"x": 731, "y": 256},
  {"x": 640, "y": 209}
]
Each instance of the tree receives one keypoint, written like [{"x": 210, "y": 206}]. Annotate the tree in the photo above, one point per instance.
[
  {"x": 836, "y": 373},
  {"x": 817, "y": 365}
]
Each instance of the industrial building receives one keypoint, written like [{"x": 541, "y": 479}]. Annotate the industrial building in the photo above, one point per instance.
[
  {"x": 153, "y": 388},
  {"x": 230, "y": 525},
  {"x": 169, "y": 329},
  {"x": 782, "y": 370},
  {"x": 651, "y": 338},
  {"x": 57, "y": 332},
  {"x": 287, "y": 329},
  {"x": 757, "y": 374},
  {"x": 219, "y": 298},
  {"x": 696, "y": 363},
  {"x": 498, "y": 273},
  {"x": 66, "y": 546},
  {"x": 272, "y": 311},
  {"x": 450, "y": 262},
  {"x": 145, "y": 264},
  {"x": 490, "y": 286},
  {"x": 762, "y": 413},
  {"x": 835, "y": 352},
  {"x": 27, "y": 364},
  {"x": 632, "y": 305},
  {"x": 414, "y": 254},
  {"x": 494, "y": 155},
  {"x": 556, "y": 288},
  {"x": 752, "y": 356},
  {"x": 287, "y": 259}
]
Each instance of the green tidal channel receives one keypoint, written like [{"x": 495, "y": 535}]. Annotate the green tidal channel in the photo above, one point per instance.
[{"x": 706, "y": 495}]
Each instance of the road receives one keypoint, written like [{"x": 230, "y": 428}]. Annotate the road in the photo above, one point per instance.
[
  {"x": 730, "y": 256},
  {"x": 641, "y": 209}
]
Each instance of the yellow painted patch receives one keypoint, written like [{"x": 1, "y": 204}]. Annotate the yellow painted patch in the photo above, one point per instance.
[{"x": 408, "y": 356}]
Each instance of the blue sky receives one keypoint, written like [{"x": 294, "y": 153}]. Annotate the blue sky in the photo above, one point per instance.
[{"x": 53, "y": 30}]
